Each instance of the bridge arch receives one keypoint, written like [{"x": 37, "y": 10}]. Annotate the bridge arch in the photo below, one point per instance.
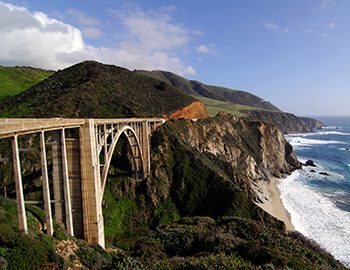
[{"x": 134, "y": 144}]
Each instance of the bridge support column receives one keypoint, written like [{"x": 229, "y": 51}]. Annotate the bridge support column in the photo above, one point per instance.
[
  {"x": 57, "y": 180},
  {"x": 66, "y": 186},
  {"x": 145, "y": 144},
  {"x": 91, "y": 185},
  {"x": 46, "y": 188},
  {"x": 22, "y": 218}
]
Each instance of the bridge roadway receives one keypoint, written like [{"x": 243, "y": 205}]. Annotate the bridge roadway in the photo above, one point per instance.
[{"x": 80, "y": 167}]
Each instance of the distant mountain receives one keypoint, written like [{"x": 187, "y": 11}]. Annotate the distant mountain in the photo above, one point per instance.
[
  {"x": 91, "y": 89},
  {"x": 197, "y": 88},
  {"x": 14, "y": 80},
  {"x": 238, "y": 103}
]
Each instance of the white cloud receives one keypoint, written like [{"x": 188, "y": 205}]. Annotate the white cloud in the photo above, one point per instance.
[
  {"x": 35, "y": 39},
  {"x": 89, "y": 24},
  {"x": 202, "y": 49},
  {"x": 151, "y": 40},
  {"x": 82, "y": 18},
  {"x": 271, "y": 26},
  {"x": 286, "y": 30},
  {"x": 152, "y": 30},
  {"x": 190, "y": 70},
  {"x": 326, "y": 4},
  {"x": 310, "y": 31},
  {"x": 92, "y": 32}
]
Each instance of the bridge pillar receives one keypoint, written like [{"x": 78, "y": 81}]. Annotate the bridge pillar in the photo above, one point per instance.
[
  {"x": 22, "y": 218},
  {"x": 91, "y": 185},
  {"x": 145, "y": 145},
  {"x": 57, "y": 179},
  {"x": 61, "y": 185}
]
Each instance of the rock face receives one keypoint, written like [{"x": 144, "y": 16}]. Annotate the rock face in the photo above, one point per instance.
[
  {"x": 207, "y": 167},
  {"x": 287, "y": 122},
  {"x": 313, "y": 123},
  {"x": 193, "y": 111}
]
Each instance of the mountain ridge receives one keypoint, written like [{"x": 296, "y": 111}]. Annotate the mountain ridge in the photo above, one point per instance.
[
  {"x": 249, "y": 105},
  {"x": 95, "y": 90},
  {"x": 220, "y": 93}
]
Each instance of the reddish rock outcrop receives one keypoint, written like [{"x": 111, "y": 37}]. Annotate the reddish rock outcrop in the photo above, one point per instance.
[{"x": 193, "y": 111}]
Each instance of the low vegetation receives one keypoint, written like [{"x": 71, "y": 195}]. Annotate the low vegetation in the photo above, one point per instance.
[
  {"x": 91, "y": 89},
  {"x": 215, "y": 106},
  {"x": 14, "y": 80}
]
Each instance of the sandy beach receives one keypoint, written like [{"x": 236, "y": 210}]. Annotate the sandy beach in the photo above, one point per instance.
[{"x": 273, "y": 203}]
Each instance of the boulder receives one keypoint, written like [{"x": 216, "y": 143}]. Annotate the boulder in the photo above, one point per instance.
[
  {"x": 325, "y": 173},
  {"x": 310, "y": 163}
]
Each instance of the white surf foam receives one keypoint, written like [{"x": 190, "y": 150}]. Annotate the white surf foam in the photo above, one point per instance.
[
  {"x": 330, "y": 133},
  {"x": 331, "y": 127},
  {"x": 302, "y": 141},
  {"x": 344, "y": 149},
  {"x": 317, "y": 217}
]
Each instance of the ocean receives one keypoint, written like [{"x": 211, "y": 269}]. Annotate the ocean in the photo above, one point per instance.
[{"x": 318, "y": 198}]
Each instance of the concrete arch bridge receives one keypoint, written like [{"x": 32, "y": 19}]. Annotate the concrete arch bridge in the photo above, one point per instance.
[{"x": 80, "y": 167}]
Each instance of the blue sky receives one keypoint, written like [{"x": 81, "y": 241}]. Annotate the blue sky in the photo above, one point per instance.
[{"x": 293, "y": 53}]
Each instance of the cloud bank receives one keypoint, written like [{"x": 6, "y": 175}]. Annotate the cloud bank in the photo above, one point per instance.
[{"x": 150, "y": 40}]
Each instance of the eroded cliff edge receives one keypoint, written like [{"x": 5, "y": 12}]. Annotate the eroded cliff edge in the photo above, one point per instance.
[
  {"x": 287, "y": 122},
  {"x": 207, "y": 167}
]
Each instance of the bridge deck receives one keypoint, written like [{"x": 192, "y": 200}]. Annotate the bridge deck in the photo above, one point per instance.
[{"x": 20, "y": 126}]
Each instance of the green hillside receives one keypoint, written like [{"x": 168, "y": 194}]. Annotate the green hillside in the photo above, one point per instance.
[
  {"x": 239, "y": 103},
  {"x": 201, "y": 90},
  {"x": 14, "y": 80},
  {"x": 214, "y": 106},
  {"x": 92, "y": 89}
]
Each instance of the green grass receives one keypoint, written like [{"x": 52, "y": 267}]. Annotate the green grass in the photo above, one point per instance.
[
  {"x": 19, "y": 251},
  {"x": 214, "y": 106},
  {"x": 14, "y": 80}
]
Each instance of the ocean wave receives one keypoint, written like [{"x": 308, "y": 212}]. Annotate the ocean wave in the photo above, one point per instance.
[
  {"x": 317, "y": 173},
  {"x": 302, "y": 141},
  {"x": 332, "y": 127},
  {"x": 330, "y": 133},
  {"x": 344, "y": 149},
  {"x": 317, "y": 217}
]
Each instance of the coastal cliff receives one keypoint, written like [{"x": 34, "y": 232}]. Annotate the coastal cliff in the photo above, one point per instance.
[
  {"x": 235, "y": 150},
  {"x": 311, "y": 122},
  {"x": 287, "y": 122}
]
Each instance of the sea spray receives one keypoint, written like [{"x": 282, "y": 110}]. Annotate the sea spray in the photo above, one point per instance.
[
  {"x": 318, "y": 198},
  {"x": 317, "y": 217}
]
